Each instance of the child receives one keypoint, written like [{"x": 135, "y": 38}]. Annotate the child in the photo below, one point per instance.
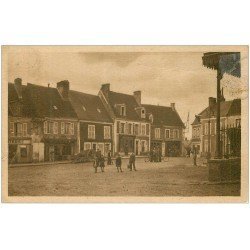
[{"x": 118, "y": 163}]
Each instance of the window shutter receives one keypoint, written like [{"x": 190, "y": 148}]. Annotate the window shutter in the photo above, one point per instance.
[
  {"x": 55, "y": 127},
  {"x": 93, "y": 131},
  {"x": 72, "y": 128},
  {"x": 62, "y": 128},
  {"x": 24, "y": 129},
  {"x": 45, "y": 127}
]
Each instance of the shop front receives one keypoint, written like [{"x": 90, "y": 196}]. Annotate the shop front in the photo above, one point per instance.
[
  {"x": 20, "y": 150},
  {"x": 173, "y": 148},
  {"x": 126, "y": 144},
  {"x": 59, "y": 149}
]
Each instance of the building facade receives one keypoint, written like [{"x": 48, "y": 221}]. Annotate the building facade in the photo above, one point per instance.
[
  {"x": 166, "y": 129},
  {"x": 230, "y": 112},
  {"x": 95, "y": 126},
  {"x": 196, "y": 135},
  {"x": 131, "y": 131}
]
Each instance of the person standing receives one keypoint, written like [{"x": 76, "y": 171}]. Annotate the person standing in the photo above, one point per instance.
[
  {"x": 132, "y": 162},
  {"x": 195, "y": 157},
  {"x": 102, "y": 163},
  {"x": 118, "y": 163},
  {"x": 109, "y": 158}
]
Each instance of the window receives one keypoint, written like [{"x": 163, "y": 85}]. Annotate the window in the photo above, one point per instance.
[
  {"x": 99, "y": 110},
  {"x": 176, "y": 133},
  {"x": 55, "y": 107},
  {"x": 194, "y": 132},
  {"x": 62, "y": 128},
  {"x": 157, "y": 133},
  {"x": 206, "y": 129},
  {"x": 68, "y": 128},
  {"x": 19, "y": 129},
  {"x": 147, "y": 129},
  {"x": 143, "y": 129},
  {"x": 91, "y": 131},
  {"x": 83, "y": 108},
  {"x": 11, "y": 129},
  {"x": 167, "y": 133},
  {"x": 87, "y": 145},
  {"x": 130, "y": 129},
  {"x": 50, "y": 127},
  {"x": 55, "y": 127},
  {"x": 238, "y": 122},
  {"x": 24, "y": 129},
  {"x": 23, "y": 151},
  {"x": 198, "y": 132},
  {"x": 122, "y": 130},
  {"x": 136, "y": 129},
  {"x": 107, "y": 132},
  {"x": 123, "y": 111},
  {"x": 151, "y": 118},
  {"x": 143, "y": 113},
  {"x": 118, "y": 127}
]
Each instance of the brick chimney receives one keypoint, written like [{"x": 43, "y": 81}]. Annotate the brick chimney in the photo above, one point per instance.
[
  {"x": 137, "y": 96},
  {"x": 63, "y": 89},
  {"x": 172, "y": 106},
  {"x": 211, "y": 101},
  {"x": 18, "y": 87}
]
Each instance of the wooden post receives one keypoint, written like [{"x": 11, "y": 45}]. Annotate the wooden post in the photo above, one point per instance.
[{"x": 218, "y": 147}]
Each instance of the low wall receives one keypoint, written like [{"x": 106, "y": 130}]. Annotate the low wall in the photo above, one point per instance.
[{"x": 223, "y": 170}]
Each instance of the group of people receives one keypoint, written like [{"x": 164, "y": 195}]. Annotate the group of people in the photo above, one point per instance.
[
  {"x": 155, "y": 155},
  {"x": 100, "y": 161}
]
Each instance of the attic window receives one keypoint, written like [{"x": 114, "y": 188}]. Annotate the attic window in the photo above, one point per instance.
[
  {"x": 99, "y": 110},
  {"x": 83, "y": 108},
  {"x": 55, "y": 107},
  {"x": 143, "y": 113},
  {"x": 151, "y": 118},
  {"x": 123, "y": 110}
]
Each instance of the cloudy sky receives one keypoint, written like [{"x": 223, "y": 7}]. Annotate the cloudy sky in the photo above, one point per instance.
[{"x": 163, "y": 77}]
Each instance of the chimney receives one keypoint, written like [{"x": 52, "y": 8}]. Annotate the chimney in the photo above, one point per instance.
[
  {"x": 18, "y": 87},
  {"x": 211, "y": 101},
  {"x": 105, "y": 89},
  {"x": 63, "y": 89},
  {"x": 172, "y": 106},
  {"x": 137, "y": 96}
]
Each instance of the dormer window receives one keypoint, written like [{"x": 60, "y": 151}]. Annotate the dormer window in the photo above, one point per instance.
[
  {"x": 151, "y": 118},
  {"x": 55, "y": 107},
  {"x": 123, "y": 110},
  {"x": 83, "y": 108},
  {"x": 143, "y": 115}
]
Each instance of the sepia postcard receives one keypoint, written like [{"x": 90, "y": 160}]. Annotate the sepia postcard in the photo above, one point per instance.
[{"x": 125, "y": 124}]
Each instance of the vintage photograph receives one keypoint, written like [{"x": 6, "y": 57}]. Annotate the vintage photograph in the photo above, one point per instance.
[{"x": 125, "y": 123}]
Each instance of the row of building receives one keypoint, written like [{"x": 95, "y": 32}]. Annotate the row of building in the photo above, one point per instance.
[
  {"x": 204, "y": 127},
  {"x": 53, "y": 124}
]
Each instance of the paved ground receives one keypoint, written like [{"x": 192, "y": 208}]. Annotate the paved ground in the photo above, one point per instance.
[{"x": 177, "y": 177}]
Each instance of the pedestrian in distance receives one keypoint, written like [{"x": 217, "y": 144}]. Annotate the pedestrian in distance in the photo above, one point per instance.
[
  {"x": 195, "y": 156},
  {"x": 118, "y": 163},
  {"x": 132, "y": 162},
  {"x": 102, "y": 163},
  {"x": 109, "y": 162}
]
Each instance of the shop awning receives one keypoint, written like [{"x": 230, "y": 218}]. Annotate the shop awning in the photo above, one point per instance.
[{"x": 226, "y": 62}]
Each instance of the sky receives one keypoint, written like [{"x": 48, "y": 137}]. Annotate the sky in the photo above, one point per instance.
[{"x": 163, "y": 77}]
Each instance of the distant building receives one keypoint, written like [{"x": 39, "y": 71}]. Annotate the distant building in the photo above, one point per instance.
[
  {"x": 166, "y": 129},
  {"x": 230, "y": 112},
  {"x": 131, "y": 126},
  {"x": 95, "y": 127},
  {"x": 196, "y": 135}
]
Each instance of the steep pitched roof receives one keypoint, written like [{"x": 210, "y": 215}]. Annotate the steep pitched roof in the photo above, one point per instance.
[
  {"x": 164, "y": 115},
  {"x": 47, "y": 102},
  {"x": 88, "y": 107},
  {"x": 227, "y": 108},
  {"x": 196, "y": 121},
  {"x": 26, "y": 109},
  {"x": 130, "y": 103}
]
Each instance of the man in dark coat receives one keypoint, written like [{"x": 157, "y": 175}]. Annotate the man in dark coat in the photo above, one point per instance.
[
  {"x": 118, "y": 163},
  {"x": 195, "y": 157},
  {"x": 109, "y": 158},
  {"x": 132, "y": 162}
]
